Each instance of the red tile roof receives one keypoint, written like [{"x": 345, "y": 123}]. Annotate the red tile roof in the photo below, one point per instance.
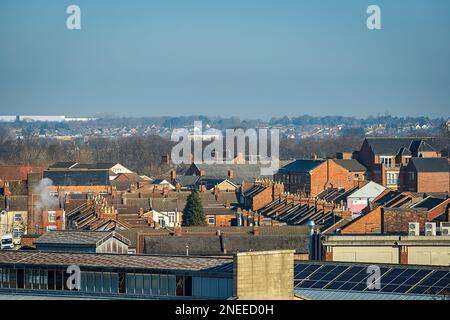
[{"x": 18, "y": 172}]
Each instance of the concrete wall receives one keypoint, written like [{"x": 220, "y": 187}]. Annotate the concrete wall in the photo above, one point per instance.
[
  {"x": 264, "y": 275},
  {"x": 437, "y": 256},
  {"x": 366, "y": 254},
  {"x": 421, "y": 250}
]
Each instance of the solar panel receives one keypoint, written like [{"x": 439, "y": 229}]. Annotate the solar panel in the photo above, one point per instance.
[{"x": 402, "y": 279}]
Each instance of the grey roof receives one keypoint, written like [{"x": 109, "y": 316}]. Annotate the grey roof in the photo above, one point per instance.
[
  {"x": 78, "y": 178},
  {"x": 62, "y": 165},
  {"x": 95, "y": 166},
  {"x": 301, "y": 166},
  {"x": 187, "y": 181},
  {"x": 119, "y": 261},
  {"x": 350, "y": 164},
  {"x": 429, "y": 203},
  {"x": 392, "y": 146},
  {"x": 431, "y": 164},
  {"x": 405, "y": 151},
  {"x": 166, "y": 204},
  {"x": 77, "y": 237},
  {"x": 241, "y": 172},
  {"x": 210, "y": 183},
  {"x": 214, "y": 245}
]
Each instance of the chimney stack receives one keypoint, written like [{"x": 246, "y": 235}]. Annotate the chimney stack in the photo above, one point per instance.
[{"x": 173, "y": 174}]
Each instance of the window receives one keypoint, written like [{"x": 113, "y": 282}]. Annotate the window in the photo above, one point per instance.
[
  {"x": 171, "y": 217},
  {"x": 50, "y": 228},
  {"x": 17, "y": 217},
  {"x": 211, "y": 220},
  {"x": 162, "y": 222},
  {"x": 412, "y": 176},
  {"x": 17, "y": 232},
  {"x": 52, "y": 216},
  {"x": 392, "y": 178},
  {"x": 387, "y": 161}
]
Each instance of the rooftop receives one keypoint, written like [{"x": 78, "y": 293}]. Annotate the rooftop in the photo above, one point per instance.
[
  {"x": 119, "y": 261},
  {"x": 77, "y": 237}
]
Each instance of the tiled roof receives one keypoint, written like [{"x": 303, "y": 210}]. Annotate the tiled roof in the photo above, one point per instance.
[
  {"x": 301, "y": 166},
  {"x": 241, "y": 172},
  {"x": 350, "y": 164},
  {"x": 62, "y": 165},
  {"x": 77, "y": 237},
  {"x": 392, "y": 146},
  {"x": 215, "y": 245},
  {"x": 431, "y": 164},
  {"x": 120, "y": 261},
  {"x": 429, "y": 203},
  {"x": 18, "y": 172},
  {"x": 78, "y": 178}
]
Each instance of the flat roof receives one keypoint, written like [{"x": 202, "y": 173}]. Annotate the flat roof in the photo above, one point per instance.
[{"x": 119, "y": 261}]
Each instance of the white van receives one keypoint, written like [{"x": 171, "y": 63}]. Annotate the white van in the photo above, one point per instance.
[{"x": 7, "y": 241}]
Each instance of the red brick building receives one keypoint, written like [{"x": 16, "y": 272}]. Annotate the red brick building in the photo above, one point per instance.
[
  {"x": 385, "y": 157},
  {"x": 427, "y": 175},
  {"x": 311, "y": 177}
]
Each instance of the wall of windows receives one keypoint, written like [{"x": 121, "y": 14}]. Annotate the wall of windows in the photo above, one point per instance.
[{"x": 116, "y": 283}]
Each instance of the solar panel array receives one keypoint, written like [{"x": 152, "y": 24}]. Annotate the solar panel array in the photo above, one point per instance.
[{"x": 401, "y": 280}]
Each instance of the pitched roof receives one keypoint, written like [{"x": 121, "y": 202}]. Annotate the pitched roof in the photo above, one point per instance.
[
  {"x": 241, "y": 172},
  {"x": 210, "y": 183},
  {"x": 77, "y": 237},
  {"x": 62, "y": 165},
  {"x": 78, "y": 178},
  {"x": 18, "y": 172},
  {"x": 431, "y": 164},
  {"x": 301, "y": 166},
  {"x": 350, "y": 164},
  {"x": 120, "y": 261},
  {"x": 95, "y": 166},
  {"x": 429, "y": 203},
  {"x": 392, "y": 146},
  {"x": 215, "y": 245}
]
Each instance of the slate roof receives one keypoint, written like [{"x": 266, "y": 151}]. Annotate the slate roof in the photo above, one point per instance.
[
  {"x": 214, "y": 245},
  {"x": 119, "y": 261},
  {"x": 62, "y": 165},
  {"x": 301, "y": 166},
  {"x": 78, "y": 178},
  {"x": 166, "y": 204},
  {"x": 210, "y": 183},
  {"x": 429, "y": 203},
  {"x": 392, "y": 146},
  {"x": 187, "y": 181},
  {"x": 77, "y": 237},
  {"x": 431, "y": 164},
  {"x": 351, "y": 165},
  {"x": 241, "y": 172},
  {"x": 94, "y": 166}
]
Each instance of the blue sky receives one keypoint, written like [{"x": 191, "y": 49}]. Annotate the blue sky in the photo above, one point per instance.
[{"x": 249, "y": 58}]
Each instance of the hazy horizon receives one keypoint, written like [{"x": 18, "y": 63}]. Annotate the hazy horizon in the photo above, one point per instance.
[{"x": 254, "y": 60}]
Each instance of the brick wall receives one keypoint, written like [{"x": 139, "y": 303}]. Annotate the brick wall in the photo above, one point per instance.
[
  {"x": 395, "y": 220},
  {"x": 330, "y": 174},
  {"x": 369, "y": 223},
  {"x": 433, "y": 182},
  {"x": 442, "y": 209}
]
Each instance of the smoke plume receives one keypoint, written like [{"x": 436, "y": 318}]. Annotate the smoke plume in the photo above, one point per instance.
[{"x": 46, "y": 200}]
